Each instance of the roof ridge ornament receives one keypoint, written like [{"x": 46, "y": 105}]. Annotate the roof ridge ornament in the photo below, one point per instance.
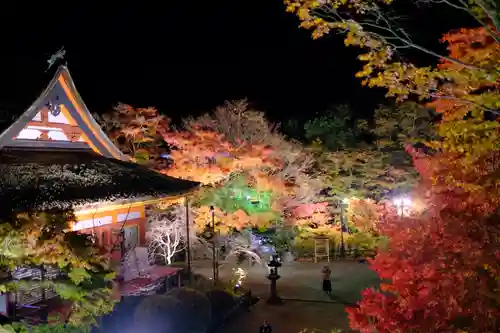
[{"x": 59, "y": 55}]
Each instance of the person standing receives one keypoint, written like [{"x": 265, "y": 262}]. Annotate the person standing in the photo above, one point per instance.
[
  {"x": 266, "y": 328},
  {"x": 327, "y": 284}
]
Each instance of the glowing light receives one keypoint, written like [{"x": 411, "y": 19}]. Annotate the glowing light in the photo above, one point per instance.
[
  {"x": 239, "y": 275},
  {"x": 403, "y": 201},
  {"x": 403, "y": 205},
  {"x": 345, "y": 200}
]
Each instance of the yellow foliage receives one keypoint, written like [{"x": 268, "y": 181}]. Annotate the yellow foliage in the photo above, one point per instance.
[{"x": 464, "y": 87}]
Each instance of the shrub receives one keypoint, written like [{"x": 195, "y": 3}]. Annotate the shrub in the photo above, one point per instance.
[
  {"x": 194, "y": 307},
  {"x": 221, "y": 302},
  {"x": 122, "y": 315},
  {"x": 159, "y": 314},
  {"x": 364, "y": 244},
  {"x": 303, "y": 247}
]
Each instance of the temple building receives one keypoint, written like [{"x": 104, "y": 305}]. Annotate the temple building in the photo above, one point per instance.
[{"x": 56, "y": 156}]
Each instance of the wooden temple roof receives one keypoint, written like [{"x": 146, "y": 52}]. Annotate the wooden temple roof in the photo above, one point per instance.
[
  {"x": 49, "y": 179},
  {"x": 54, "y": 155}
]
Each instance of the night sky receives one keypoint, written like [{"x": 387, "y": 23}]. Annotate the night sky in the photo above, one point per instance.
[{"x": 186, "y": 57}]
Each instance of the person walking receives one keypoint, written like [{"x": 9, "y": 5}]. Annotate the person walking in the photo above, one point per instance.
[
  {"x": 327, "y": 284},
  {"x": 266, "y": 328}
]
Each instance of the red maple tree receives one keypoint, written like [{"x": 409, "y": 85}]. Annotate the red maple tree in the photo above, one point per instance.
[
  {"x": 440, "y": 270},
  {"x": 440, "y": 273}
]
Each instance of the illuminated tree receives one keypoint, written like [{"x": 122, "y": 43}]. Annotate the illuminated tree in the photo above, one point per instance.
[
  {"x": 256, "y": 177},
  {"x": 206, "y": 157},
  {"x": 31, "y": 242},
  {"x": 441, "y": 269},
  {"x": 167, "y": 233},
  {"x": 233, "y": 142},
  {"x": 138, "y": 132},
  {"x": 464, "y": 86},
  {"x": 397, "y": 125},
  {"x": 364, "y": 173},
  {"x": 365, "y": 214},
  {"x": 240, "y": 243},
  {"x": 367, "y": 160},
  {"x": 237, "y": 124},
  {"x": 311, "y": 215}
]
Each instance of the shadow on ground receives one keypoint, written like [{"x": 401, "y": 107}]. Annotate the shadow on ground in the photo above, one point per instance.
[{"x": 305, "y": 305}]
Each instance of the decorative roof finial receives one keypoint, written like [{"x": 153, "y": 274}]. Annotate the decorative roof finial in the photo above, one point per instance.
[{"x": 59, "y": 55}]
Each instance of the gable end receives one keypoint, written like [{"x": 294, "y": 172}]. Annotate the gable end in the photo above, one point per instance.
[{"x": 59, "y": 118}]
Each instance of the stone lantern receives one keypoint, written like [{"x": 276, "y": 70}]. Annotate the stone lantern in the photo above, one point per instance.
[{"x": 273, "y": 276}]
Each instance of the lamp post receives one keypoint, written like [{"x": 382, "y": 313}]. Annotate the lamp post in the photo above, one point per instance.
[
  {"x": 343, "y": 205},
  {"x": 188, "y": 241},
  {"x": 273, "y": 276},
  {"x": 215, "y": 265}
]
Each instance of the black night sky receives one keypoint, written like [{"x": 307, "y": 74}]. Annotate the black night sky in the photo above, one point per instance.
[{"x": 186, "y": 57}]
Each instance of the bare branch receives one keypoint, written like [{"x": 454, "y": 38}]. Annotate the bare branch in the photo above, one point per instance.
[
  {"x": 167, "y": 233},
  {"x": 465, "y": 6},
  {"x": 378, "y": 20}
]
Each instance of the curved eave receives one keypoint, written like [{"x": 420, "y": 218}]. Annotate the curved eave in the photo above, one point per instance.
[
  {"x": 149, "y": 200},
  {"x": 30, "y": 113},
  {"x": 64, "y": 72}
]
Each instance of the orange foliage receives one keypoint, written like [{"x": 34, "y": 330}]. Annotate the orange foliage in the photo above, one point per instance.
[
  {"x": 365, "y": 214},
  {"x": 205, "y": 157},
  {"x": 201, "y": 153},
  {"x": 469, "y": 149},
  {"x": 441, "y": 270},
  {"x": 138, "y": 132},
  {"x": 315, "y": 214},
  {"x": 473, "y": 46}
]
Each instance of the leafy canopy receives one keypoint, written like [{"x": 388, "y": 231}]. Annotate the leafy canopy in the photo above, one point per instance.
[
  {"x": 44, "y": 240},
  {"x": 441, "y": 268}
]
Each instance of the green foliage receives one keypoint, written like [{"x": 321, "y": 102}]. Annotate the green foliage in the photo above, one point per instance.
[
  {"x": 78, "y": 275},
  {"x": 398, "y": 125},
  {"x": 364, "y": 173},
  {"x": 43, "y": 328},
  {"x": 303, "y": 247},
  {"x": 336, "y": 129},
  {"x": 365, "y": 243},
  {"x": 141, "y": 156},
  {"x": 356, "y": 167},
  {"x": 42, "y": 240},
  {"x": 236, "y": 194},
  {"x": 283, "y": 237},
  {"x": 239, "y": 201}
]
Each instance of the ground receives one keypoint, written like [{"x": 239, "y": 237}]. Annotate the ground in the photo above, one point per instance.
[{"x": 305, "y": 305}]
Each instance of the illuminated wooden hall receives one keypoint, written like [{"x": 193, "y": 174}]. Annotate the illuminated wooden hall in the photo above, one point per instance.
[{"x": 56, "y": 156}]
